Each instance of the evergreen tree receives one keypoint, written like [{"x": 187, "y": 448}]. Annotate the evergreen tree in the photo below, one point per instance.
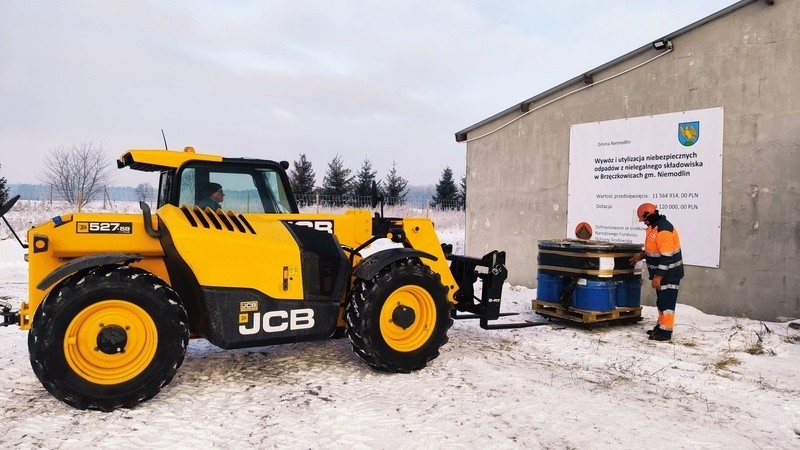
[
  {"x": 362, "y": 187},
  {"x": 3, "y": 189},
  {"x": 395, "y": 187},
  {"x": 446, "y": 196},
  {"x": 302, "y": 179},
  {"x": 337, "y": 182},
  {"x": 462, "y": 193}
]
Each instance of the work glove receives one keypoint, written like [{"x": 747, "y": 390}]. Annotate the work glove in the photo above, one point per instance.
[{"x": 656, "y": 282}]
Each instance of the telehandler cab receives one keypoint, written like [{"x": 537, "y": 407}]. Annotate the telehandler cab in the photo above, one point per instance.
[{"x": 114, "y": 298}]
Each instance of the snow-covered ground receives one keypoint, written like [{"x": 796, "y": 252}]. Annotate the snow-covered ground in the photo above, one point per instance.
[{"x": 723, "y": 382}]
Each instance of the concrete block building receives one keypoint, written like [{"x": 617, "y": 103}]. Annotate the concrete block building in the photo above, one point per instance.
[{"x": 744, "y": 59}]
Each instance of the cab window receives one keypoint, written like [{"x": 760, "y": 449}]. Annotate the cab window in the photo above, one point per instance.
[
  {"x": 277, "y": 191},
  {"x": 245, "y": 189}
]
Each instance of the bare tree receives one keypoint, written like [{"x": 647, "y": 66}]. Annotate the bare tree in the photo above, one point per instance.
[
  {"x": 77, "y": 173},
  {"x": 143, "y": 191}
]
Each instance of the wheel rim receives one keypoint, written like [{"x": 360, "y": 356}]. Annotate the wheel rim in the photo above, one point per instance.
[
  {"x": 408, "y": 318},
  {"x": 110, "y": 342}
]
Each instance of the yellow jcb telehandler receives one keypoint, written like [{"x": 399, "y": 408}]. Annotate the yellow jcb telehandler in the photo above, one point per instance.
[{"x": 114, "y": 298}]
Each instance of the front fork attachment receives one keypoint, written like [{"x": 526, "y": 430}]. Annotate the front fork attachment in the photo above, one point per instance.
[{"x": 491, "y": 270}]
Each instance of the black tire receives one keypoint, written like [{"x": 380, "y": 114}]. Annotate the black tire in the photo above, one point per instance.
[
  {"x": 398, "y": 320},
  {"x": 109, "y": 338}
]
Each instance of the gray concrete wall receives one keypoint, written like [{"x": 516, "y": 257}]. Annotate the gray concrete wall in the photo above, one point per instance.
[{"x": 747, "y": 62}]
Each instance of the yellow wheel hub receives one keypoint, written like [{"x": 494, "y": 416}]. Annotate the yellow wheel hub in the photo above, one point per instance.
[
  {"x": 110, "y": 342},
  {"x": 408, "y": 318}
]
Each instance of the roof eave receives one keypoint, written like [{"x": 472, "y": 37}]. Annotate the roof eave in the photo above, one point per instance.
[{"x": 586, "y": 78}]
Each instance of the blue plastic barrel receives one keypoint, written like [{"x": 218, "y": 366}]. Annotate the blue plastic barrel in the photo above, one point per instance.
[
  {"x": 549, "y": 287},
  {"x": 629, "y": 293},
  {"x": 595, "y": 295}
]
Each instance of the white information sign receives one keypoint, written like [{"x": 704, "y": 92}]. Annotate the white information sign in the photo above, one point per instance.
[{"x": 671, "y": 160}]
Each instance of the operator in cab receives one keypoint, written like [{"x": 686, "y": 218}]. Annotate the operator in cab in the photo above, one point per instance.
[{"x": 213, "y": 195}]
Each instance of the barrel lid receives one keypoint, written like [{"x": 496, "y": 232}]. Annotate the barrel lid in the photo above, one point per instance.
[{"x": 584, "y": 244}]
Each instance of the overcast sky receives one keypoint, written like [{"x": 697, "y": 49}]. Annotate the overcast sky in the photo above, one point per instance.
[{"x": 379, "y": 80}]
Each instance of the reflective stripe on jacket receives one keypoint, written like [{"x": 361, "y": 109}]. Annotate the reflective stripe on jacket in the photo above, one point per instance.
[{"x": 662, "y": 250}]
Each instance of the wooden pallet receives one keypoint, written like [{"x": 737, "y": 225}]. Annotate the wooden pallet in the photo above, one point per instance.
[{"x": 555, "y": 310}]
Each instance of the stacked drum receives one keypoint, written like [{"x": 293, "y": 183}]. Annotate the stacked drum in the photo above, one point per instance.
[{"x": 588, "y": 275}]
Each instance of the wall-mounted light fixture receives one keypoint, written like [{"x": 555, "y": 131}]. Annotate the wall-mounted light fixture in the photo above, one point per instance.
[{"x": 662, "y": 44}]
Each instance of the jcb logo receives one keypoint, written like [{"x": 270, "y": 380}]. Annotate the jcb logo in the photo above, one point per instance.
[
  {"x": 248, "y": 306},
  {"x": 319, "y": 225},
  {"x": 277, "y": 321}
]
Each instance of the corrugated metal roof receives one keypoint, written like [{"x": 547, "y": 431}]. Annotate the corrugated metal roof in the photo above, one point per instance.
[{"x": 585, "y": 78}]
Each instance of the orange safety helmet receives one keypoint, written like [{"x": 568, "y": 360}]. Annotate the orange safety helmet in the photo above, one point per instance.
[{"x": 644, "y": 210}]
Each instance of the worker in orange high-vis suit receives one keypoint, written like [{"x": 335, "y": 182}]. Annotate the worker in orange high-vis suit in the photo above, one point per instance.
[{"x": 662, "y": 253}]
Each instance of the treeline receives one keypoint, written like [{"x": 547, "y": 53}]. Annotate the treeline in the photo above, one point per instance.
[
  {"x": 341, "y": 187},
  {"x": 77, "y": 175},
  {"x": 3, "y": 189}
]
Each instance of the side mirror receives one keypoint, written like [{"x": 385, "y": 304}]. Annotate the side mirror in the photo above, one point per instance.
[
  {"x": 3, "y": 210},
  {"x": 10, "y": 204}
]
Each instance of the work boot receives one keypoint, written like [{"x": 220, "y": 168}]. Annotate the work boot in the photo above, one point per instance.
[
  {"x": 650, "y": 332},
  {"x": 657, "y": 334}
]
